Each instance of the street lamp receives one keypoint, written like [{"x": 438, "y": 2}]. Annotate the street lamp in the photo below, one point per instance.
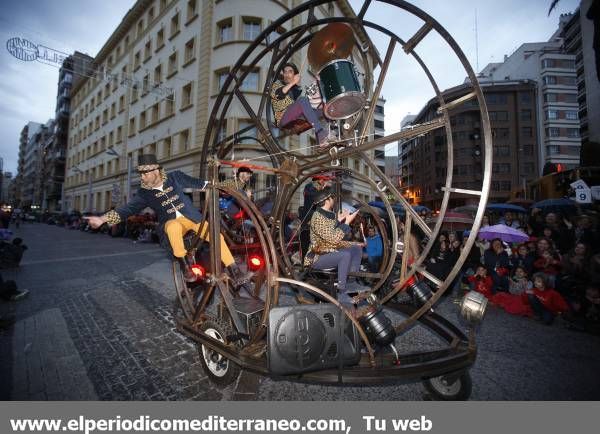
[{"x": 111, "y": 151}]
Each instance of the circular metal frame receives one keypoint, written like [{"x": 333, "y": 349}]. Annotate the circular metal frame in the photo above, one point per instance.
[{"x": 299, "y": 36}]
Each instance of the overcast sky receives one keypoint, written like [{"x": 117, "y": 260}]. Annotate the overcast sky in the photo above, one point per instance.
[{"x": 28, "y": 89}]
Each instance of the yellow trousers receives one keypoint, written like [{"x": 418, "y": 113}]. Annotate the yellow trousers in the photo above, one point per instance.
[{"x": 175, "y": 230}]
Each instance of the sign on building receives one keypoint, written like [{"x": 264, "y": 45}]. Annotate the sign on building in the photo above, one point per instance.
[{"x": 583, "y": 193}]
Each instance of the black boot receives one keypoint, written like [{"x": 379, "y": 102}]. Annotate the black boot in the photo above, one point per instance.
[
  {"x": 238, "y": 277},
  {"x": 186, "y": 270}
]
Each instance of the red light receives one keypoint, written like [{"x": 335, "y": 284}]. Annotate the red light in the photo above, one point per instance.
[
  {"x": 239, "y": 215},
  {"x": 199, "y": 271},
  {"x": 255, "y": 262}
]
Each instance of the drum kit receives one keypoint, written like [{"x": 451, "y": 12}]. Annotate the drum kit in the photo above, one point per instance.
[{"x": 337, "y": 86}]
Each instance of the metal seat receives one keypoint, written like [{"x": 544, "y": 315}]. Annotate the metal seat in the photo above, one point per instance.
[
  {"x": 295, "y": 127},
  {"x": 327, "y": 278}
]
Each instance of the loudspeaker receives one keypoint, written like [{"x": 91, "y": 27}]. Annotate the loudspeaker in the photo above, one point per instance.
[{"x": 310, "y": 338}]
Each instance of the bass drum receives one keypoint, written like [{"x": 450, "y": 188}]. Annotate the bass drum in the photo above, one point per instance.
[{"x": 340, "y": 90}]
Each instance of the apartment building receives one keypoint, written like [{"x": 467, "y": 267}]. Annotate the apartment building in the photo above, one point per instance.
[
  {"x": 513, "y": 117},
  {"x": 553, "y": 69},
  {"x": 28, "y": 154},
  {"x": 158, "y": 77},
  {"x": 579, "y": 41}
]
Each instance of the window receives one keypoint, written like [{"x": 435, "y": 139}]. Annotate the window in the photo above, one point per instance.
[
  {"x": 550, "y": 97},
  {"x": 495, "y": 98},
  {"x": 378, "y": 124},
  {"x": 571, "y": 115},
  {"x": 137, "y": 59},
  {"x": 134, "y": 92},
  {"x": 172, "y": 64},
  {"x": 498, "y": 116},
  {"x": 225, "y": 30},
  {"x": 140, "y": 28},
  {"x": 174, "y": 26},
  {"x": 222, "y": 134},
  {"x": 119, "y": 134},
  {"x": 166, "y": 147},
  {"x": 221, "y": 77},
  {"x": 189, "y": 54},
  {"x": 501, "y": 168},
  {"x": 251, "y": 132},
  {"x": 553, "y": 150},
  {"x": 150, "y": 14},
  {"x": 525, "y": 97},
  {"x": 251, "y": 28},
  {"x": 186, "y": 95},
  {"x": 184, "y": 140},
  {"x": 505, "y": 185},
  {"x": 160, "y": 39},
  {"x": 528, "y": 167},
  {"x": 145, "y": 84},
  {"x": 573, "y": 133},
  {"x": 569, "y": 97},
  {"x": 568, "y": 80},
  {"x": 148, "y": 51},
  {"x": 113, "y": 110},
  {"x": 527, "y": 149},
  {"x": 553, "y": 132},
  {"x": 104, "y": 116},
  {"x": 500, "y": 133},
  {"x": 158, "y": 75},
  {"x": 501, "y": 151},
  {"x": 525, "y": 115},
  {"x": 250, "y": 82},
  {"x": 131, "y": 126},
  {"x": 142, "y": 120},
  {"x": 169, "y": 105},
  {"x": 191, "y": 10},
  {"x": 155, "y": 113},
  {"x": 552, "y": 114},
  {"x": 549, "y": 79}
]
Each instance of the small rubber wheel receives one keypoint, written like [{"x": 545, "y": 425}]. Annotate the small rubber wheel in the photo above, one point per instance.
[
  {"x": 451, "y": 387},
  {"x": 219, "y": 369}
]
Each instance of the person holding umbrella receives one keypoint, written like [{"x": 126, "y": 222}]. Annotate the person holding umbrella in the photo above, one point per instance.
[{"x": 497, "y": 262}]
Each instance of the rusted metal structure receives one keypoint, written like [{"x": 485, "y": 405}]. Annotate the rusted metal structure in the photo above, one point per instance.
[{"x": 235, "y": 331}]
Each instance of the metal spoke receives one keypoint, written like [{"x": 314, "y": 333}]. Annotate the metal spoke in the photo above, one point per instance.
[
  {"x": 452, "y": 104},
  {"x": 384, "y": 68},
  {"x": 417, "y": 37},
  {"x": 462, "y": 191}
]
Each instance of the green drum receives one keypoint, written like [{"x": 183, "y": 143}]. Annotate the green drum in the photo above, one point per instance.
[{"x": 340, "y": 89}]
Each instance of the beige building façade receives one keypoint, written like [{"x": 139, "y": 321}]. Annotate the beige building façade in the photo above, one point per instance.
[{"x": 158, "y": 76}]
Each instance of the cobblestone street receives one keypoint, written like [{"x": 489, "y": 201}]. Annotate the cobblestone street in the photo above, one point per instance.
[{"x": 98, "y": 324}]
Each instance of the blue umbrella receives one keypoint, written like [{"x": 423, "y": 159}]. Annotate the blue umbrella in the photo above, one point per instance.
[
  {"x": 506, "y": 207},
  {"x": 398, "y": 209},
  {"x": 555, "y": 204},
  {"x": 421, "y": 208}
]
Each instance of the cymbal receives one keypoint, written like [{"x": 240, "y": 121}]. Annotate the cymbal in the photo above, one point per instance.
[{"x": 334, "y": 41}]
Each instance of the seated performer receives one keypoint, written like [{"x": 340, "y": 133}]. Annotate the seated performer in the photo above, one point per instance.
[
  {"x": 288, "y": 105},
  {"x": 311, "y": 190},
  {"x": 328, "y": 248},
  {"x": 240, "y": 181},
  {"x": 175, "y": 212}
]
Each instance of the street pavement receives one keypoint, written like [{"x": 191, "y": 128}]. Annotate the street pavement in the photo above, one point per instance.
[{"x": 98, "y": 325}]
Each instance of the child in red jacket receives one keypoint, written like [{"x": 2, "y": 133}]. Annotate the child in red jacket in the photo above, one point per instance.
[
  {"x": 545, "y": 302},
  {"x": 481, "y": 282}
]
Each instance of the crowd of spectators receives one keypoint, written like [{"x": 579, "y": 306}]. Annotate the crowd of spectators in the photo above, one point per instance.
[{"x": 556, "y": 273}]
